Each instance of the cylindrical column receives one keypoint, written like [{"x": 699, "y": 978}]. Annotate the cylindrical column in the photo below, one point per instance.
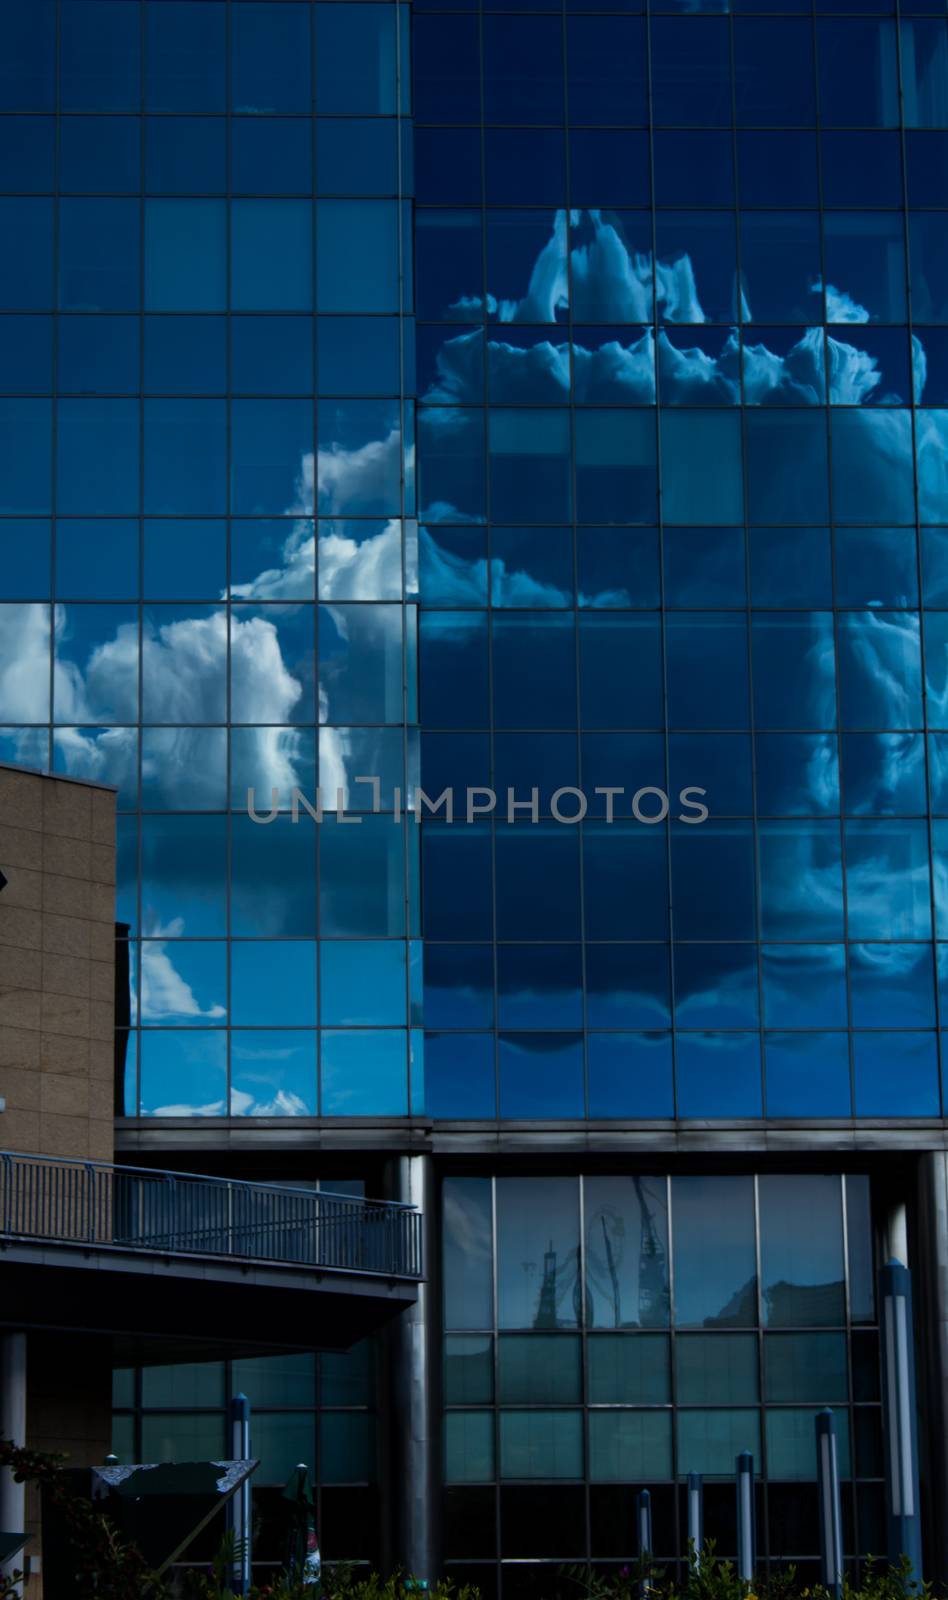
[
  {"x": 695, "y": 1509},
  {"x": 931, "y": 1304},
  {"x": 898, "y": 1398},
  {"x": 12, "y": 1427},
  {"x": 744, "y": 1467},
  {"x": 831, "y": 1530},
  {"x": 414, "y": 1343}
]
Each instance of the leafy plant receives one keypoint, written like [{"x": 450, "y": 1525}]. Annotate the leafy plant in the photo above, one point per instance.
[{"x": 107, "y": 1567}]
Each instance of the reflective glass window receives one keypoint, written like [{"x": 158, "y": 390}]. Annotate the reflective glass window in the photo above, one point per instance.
[
  {"x": 858, "y": 72},
  {"x": 97, "y": 456},
  {"x": 773, "y": 71},
  {"x": 185, "y": 355},
  {"x": 270, "y": 57},
  {"x": 801, "y": 1273},
  {"x": 607, "y": 69},
  {"x": 28, "y": 73},
  {"x": 627, "y": 1370},
  {"x": 185, "y": 155},
  {"x": 99, "y": 56},
  {"x": 100, "y": 155},
  {"x": 630, "y": 1075},
  {"x": 363, "y": 1073},
  {"x": 185, "y": 255},
  {"x": 523, "y": 69},
  {"x": 273, "y": 982},
  {"x": 186, "y": 56},
  {"x": 26, "y": 274},
  {"x": 787, "y": 471},
  {"x": 808, "y": 1075},
  {"x": 99, "y": 254},
  {"x": 468, "y": 1252},
  {"x": 185, "y": 456},
  {"x": 780, "y": 266},
  {"x": 271, "y": 255},
  {"x": 691, "y": 75},
  {"x": 722, "y": 1364},
  {"x": 537, "y": 1252},
  {"x": 801, "y": 889},
  {"x": 356, "y": 255},
  {"x": 717, "y": 1289},
  {"x": 356, "y": 60}
]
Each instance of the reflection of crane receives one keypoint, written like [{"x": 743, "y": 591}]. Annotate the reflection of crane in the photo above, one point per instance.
[
  {"x": 559, "y": 1276},
  {"x": 613, "y": 1274},
  {"x": 653, "y": 1291},
  {"x": 641, "y": 1276},
  {"x": 546, "y": 1304}
]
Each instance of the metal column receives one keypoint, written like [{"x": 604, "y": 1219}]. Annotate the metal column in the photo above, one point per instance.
[
  {"x": 415, "y": 1418},
  {"x": 931, "y": 1303},
  {"x": 13, "y": 1427}
]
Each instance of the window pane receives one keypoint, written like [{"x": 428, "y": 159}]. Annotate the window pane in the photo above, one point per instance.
[
  {"x": 719, "y": 1289},
  {"x": 538, "y": 1252},
  {"x": 468, "y": 1443},
  {"x": 468, "y": 1252},
  {"x": 628, "y": 1446},
  {"x": 541, "y": 1444},
  {"x": 536, "y": 1370},
  {"x": 626, "y": 1252},
  {"x": 802, "y": 1272},
  {"x": 468, "y": 1370},
  {"x": 709, "y": 1441},
  {"x": 716, "y": 1367},
  {"x": 806, "y": 1366},
  {"x": 628, "y": 1369}
]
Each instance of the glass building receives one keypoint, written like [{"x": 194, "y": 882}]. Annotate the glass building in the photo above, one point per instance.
[{"x": 546, "y": 404}]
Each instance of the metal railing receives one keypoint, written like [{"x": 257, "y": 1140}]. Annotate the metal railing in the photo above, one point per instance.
[{"x": 90, "y": 1202}]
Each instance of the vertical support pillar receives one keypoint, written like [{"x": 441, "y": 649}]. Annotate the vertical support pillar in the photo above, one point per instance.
[
  {"x": 831, "y": 1525},
  {"x": 932, "y": 1309},
  {"x": 744, "y": 1467},
  {"x": 13, "y": 1427},
  {"x": 898, "y": 1399},
  {"x": 415, "y": 1417}
]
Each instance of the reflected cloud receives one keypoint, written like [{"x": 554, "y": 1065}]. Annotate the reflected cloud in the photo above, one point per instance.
[{"x": 165, "y": 993}]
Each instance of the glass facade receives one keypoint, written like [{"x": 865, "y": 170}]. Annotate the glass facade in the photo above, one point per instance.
[
  {"x": 546, "y": 404},
  {"x": 613, "y": 1330},
  {"x": 676, "y": 381}
]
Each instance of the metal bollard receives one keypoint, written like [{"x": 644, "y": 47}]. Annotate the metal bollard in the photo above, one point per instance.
[
  {"x": 240, "y": 1520},
  {"x": 695, "y": 1509},
  {"x": 901, "y": 1443},
  {"x": 644, "y": 1519},
  {"x": 827, "y": 1477},
  {"x": 744, "y": 1466}
]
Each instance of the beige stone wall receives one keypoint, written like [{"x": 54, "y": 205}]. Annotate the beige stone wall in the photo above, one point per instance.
[{"x": 57, "y": 965}]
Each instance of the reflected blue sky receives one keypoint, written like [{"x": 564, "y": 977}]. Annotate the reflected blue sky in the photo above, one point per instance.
[{"x": 632, "y": 424}]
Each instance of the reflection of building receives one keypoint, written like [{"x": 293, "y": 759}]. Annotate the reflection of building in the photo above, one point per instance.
[{"x": 526, "y": 399}]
